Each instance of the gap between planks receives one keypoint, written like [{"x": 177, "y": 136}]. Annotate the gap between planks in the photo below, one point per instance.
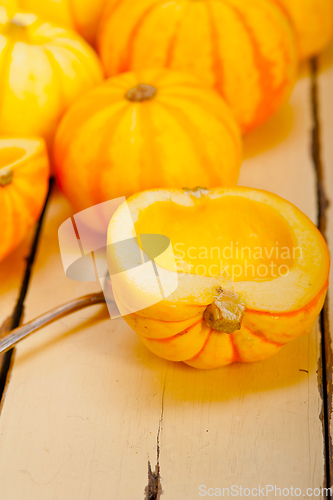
[
  {"x": 16, "y": 317},
  {"x": 325, "y": 364}
]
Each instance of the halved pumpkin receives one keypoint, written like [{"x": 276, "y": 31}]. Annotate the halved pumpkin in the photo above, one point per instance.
[{"x": 248, "y": 273}]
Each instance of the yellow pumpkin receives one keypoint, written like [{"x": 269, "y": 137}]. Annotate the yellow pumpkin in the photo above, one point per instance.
[
  {"x": 144, "y": 130},
  {"x": 313, "y": 21},
  {"x": 252, "y": 273},
  {"x": 43, "y": 69},
  {"x": 244, "y": 49},
  {"x": 24, "y": 174},
  {"x": 80, "y": 15}
]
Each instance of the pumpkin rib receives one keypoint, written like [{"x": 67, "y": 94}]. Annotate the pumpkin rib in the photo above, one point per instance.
[
  {"x": 20, "y": 194},
  {"x": 23, "y": 194},
  {"x": 149, "y": 147},
  {"x": 260, "y": 63},
  {"x": 65, "y": 142},
  {"x": 112, "y": 125},
  {"x": 202, "y": 348},
  {"x": 306, "y": 307},
  {"x": 195, "y": 138},
  {"x": 78, "y": 125},
  {"x": 125, "y": 64},
  {"x": 22, "y": 200},
  {"x": 236, "y": 357},
  {"x": 56, "y": 67},
  {"x": 165, "y": 340},
  {"x": 73, "y": 53},
  {"x": 173, "y": 40},
  {"x": 217, "y": 65},
  {"x": 4, "y": 68},
  {"x": 262, "y": 337},
  {"x": 11, "y": 218},
  {"x": 108, "y": 12},
  {"x": 206, "y": 105},
  {"x": 285, "y": 11},
  {"x": 165, "y": 320},
  {"x": 73, "y": 17},
  {"x": 282, "y": 40}
]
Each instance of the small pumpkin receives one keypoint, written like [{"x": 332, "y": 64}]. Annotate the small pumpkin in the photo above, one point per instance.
[
  {"x": 244, "y": 49},
  {"x": 313, "y": 21},
  {"x": 80, "y": 15},
  {"x": 24, "y": 174},
  {"x": 252, "y": 274},
  {"x": 150, "y": 129},
  {"x": 43, "y": 69}
]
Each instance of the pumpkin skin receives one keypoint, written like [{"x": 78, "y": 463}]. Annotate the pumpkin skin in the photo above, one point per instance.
[
  {"x": 313, "y": 22},
  {"x": 80, "y": 15},
  {"x": 44, "y": 68},
  {"x": 245, "y": 50},
  {"x": 184, "y": 133},
  {"x": 276, "y": 310},
  {"x": 24, "y": 174}
]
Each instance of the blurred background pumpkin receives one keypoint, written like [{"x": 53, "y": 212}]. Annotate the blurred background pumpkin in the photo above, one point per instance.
[
  {"x": 245, "y": 50},
  {"x": 80, "y": 15},
  {"x": 43, "y": 69},
  {"x": 142, "y": 130},
  {"x": 24, "y": 174}
]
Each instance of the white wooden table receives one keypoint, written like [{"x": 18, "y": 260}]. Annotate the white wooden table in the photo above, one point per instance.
[{"x": 86, "y": 408}]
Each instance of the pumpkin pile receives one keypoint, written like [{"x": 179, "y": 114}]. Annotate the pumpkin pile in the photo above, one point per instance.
[{"x": 184, "y": 81}]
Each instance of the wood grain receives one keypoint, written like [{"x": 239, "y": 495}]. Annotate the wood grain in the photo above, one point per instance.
[{"x": 87, "y": 403}]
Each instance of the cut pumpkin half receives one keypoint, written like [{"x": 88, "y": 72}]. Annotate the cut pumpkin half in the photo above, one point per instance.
[{"x": 245, "y": 272}]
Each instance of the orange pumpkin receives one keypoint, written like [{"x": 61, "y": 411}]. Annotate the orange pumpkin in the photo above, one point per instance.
[
  {"x": 43, "y": 69},
  {"x": 248, "y": 273},
  {"x": 144, "y": 130},
  {"x": 80, "y": 15},
  {"x": 313, "y": 21},
  {"x": 24, "y": 173},
  {"x": 244, "y": 49}
]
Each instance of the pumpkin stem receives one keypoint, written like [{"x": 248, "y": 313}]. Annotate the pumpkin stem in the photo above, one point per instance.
[
  {"x": 6, "y": 176},
  {"x": 225, "y": 314},
  {"x": 141, "y": 93}
]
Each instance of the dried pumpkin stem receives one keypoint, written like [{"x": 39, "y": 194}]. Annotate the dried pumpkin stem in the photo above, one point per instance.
[
  {"x": 225, "y": 314},
  {"x": 6, "y": 176},
  {"x": 141, "y": 93}
]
